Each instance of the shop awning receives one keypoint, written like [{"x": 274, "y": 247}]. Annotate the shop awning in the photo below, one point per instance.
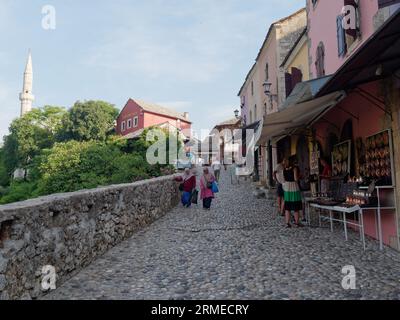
[
  {"x": 256, "y": 127},
  {"x": 298, "y": 116},
  {"x": 377, "y": 58}
]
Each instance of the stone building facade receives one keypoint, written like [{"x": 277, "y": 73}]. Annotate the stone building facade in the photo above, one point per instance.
[{"x": 255, "y": 104}]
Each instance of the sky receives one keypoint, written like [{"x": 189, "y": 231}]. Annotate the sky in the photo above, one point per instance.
[{"x": 189, "y": 55}]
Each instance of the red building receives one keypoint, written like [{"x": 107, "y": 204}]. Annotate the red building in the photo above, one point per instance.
[{"x": 138, "y": 115}]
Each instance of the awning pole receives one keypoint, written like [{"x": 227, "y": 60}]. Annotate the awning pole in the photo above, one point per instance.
[
  {"x": 374, "y": 103},
  {"x": 349, "y": 113},
  {"x": 331, "y": 123},
  {"x": 371, "y": 95}
]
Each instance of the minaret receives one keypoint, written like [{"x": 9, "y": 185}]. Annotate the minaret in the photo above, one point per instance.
[{"x": 26, "y": 97}]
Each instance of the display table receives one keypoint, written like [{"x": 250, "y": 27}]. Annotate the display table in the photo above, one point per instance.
[
  {"x": 386, "y": 201},
  {"x": 343, "y": 210}
]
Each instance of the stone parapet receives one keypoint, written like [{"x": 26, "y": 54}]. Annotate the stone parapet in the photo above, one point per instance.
[{"x": 69, "y": 231}]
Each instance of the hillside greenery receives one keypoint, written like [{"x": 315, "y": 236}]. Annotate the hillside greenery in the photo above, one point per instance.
[{"x": 61, "y": 150}]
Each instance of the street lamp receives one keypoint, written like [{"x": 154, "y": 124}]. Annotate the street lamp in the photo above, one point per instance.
[
  {"x": 236, "y": 114},
  {"x": 267, "y": 88}
]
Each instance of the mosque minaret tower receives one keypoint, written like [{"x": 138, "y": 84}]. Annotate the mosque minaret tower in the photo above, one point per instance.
[{"x": 26, "y": 97}]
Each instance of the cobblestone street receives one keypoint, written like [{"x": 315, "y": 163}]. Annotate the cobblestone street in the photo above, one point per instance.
[{"x": 238, "y": 250}]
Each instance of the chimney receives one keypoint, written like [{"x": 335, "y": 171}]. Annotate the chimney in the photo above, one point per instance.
[{"x": 186, "y": 115}]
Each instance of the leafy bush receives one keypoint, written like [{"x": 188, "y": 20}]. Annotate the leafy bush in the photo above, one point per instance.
[
  {"x": 4, "y": 175},
  {"x": 19, "y": 191}
]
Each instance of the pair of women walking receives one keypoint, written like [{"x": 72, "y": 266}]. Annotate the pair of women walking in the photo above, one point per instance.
[{"x": 188, "y": 188}]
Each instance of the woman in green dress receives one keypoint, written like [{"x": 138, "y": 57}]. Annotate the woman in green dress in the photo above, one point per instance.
[{"x": 292, "y": 194}]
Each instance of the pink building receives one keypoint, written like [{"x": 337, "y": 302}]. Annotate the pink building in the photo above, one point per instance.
[
  {"x": 138, "y": 115},
  {"x": 330, "y": 44},
  {"x": 362, "y": 113}
]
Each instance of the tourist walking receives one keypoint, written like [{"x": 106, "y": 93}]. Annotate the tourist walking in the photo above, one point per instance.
[
  {"x": 206, "y": 186},
  {"x": 292, "y": 194},
  {"x": 187, "y": 186},
  {"x": 280, "y": 180},
  {"x": 216, "y": 166}
]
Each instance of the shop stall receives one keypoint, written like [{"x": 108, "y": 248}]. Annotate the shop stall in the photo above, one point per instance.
[{"x": 362, "y": 191}]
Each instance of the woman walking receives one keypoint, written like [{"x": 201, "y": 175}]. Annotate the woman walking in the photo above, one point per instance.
[
  {"x": 207, "y": 194},
  {"x": 292, "y": 194},
  {"x": 187, "y": 187}
]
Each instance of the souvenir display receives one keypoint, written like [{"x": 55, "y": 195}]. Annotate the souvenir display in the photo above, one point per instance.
[
  {"x": 314, "y": 162},
  {"x": 379, "y": 158},
  {"x": 341, "y": 156}
]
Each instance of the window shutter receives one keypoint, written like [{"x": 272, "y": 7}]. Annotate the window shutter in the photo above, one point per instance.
[
  {"x": 320, "y": 61},
  {"x": 297, "y": 77},
  {"x": 288, "y": 83},
  {"x": 341, "y": 37}
]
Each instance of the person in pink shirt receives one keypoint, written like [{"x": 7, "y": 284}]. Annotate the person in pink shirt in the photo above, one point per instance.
[{"x": 206, "y": 193}]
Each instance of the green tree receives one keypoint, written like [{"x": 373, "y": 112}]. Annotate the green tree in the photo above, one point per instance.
[
  {"x": 29, "y": 135},
  {"x": 75, "y": 165},
  {"x": 89, "y": 120},
  {"x": 4, "y": 175}
]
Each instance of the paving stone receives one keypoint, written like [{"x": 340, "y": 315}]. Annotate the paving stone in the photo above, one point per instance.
[{"x": 238, "y": 250}]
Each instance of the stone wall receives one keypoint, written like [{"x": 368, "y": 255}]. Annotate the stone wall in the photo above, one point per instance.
[
  {"x": 391, "y": 91},
  {"x": 69, "y": 231}
]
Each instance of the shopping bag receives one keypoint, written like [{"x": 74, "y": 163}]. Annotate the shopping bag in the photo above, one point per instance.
[
  {"x": 195, "y": 196},
  {"x": 214, "y": 187}
]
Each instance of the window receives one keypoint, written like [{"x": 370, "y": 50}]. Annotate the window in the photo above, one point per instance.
[
  {"x": 251, "y": 117},
  {"x": 320, "y": 60},
  {"x": 266, "y": 72},
  {"x": 341, "y": 37},
  {"x": 288, "y": 83},
  {"x": 129, "y": 123},
  {"x": 297, "y": 76},
  {"x": 292, "y": 79},
  {"x": 252, "y": 88},
  {"x": 135, "y": 122},
  {"x": 123, "y": 126},
  {"x": 255, "y": 113}
]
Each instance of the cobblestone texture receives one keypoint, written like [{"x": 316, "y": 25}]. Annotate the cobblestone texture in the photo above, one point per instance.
[{"x": 238, "y": 250}]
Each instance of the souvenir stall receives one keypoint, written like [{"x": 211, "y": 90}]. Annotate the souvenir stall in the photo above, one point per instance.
[{"x": 362, "y": 191}]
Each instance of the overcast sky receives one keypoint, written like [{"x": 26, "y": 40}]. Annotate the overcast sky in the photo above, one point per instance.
[{"x": 191, "y": 55}]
